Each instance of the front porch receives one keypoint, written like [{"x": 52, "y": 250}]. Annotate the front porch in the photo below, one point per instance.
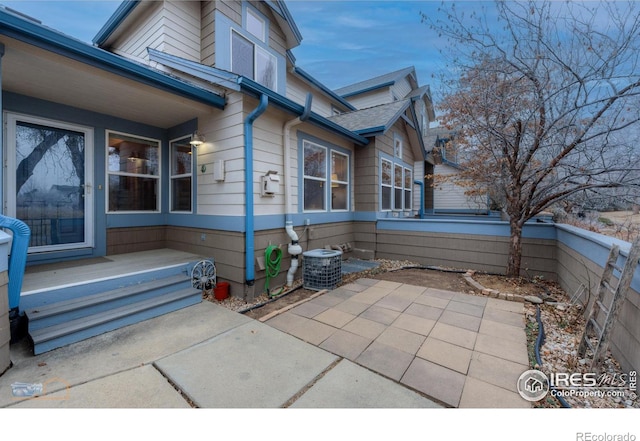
[
  {"x": 45, "y": 277},
  {"x": 70, "y": 301}
]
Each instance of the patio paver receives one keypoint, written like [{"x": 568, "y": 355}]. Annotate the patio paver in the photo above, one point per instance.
[{"x": 459, "y": 349}]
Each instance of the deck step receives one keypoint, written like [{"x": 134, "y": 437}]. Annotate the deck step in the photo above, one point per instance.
[
  {"x": 64, "y": 311},
  {"x": 56, "y": 325}
]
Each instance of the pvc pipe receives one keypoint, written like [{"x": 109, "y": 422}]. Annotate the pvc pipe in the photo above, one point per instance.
[{"x": 248, "y": 179}]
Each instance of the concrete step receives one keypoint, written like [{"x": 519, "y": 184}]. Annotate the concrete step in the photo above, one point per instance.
[
  {"x": 62, "y": 334},
  {"x": 60, "y": 312}
]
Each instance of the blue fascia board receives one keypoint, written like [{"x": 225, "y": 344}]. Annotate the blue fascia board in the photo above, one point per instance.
[
  {"x": 58, "y": 43},
  {"x": 198, "y": 70},
  {"x": 324, "y": 88},
  {"x": 256, "y": 90},
  {"x": 381, "y": 130},
  {"x": 280, "y": 8},
  {"x": 368, "y": 89},
  {"x": 120, "y": 14},
  {"x": 372, "y": 131}
]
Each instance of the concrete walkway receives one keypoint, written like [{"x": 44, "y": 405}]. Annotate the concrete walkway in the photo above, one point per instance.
[
  {"x": 370, "y": 344},
  {"x": 460, "y": 349},
  {"x": 201, "y": 356}
]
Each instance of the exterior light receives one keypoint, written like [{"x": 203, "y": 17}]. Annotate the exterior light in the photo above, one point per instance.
[{"x": 196, "y": 139}]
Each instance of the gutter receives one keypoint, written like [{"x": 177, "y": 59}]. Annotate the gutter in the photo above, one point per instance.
[
  {"x": 248, "y": 178},
  {"x": 256, "y": 90},
  {"x": 55, "y": 42}
]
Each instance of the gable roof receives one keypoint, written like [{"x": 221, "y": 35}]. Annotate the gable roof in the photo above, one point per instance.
[
  {"x": 373, "y": 120},
  {"x": 237, "y": 82},
  {"x": 33, "y": 33},
  {"x": 127, "y": 7},
  {"x": 378, "y": 82}
]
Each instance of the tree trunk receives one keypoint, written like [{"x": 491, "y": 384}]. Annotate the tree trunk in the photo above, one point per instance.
[{"x": 515, "y": 250}]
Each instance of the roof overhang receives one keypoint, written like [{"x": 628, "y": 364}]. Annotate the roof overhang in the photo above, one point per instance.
[
  {"x": 42, "y": 63},
  {"x": 236, "y": 82}
]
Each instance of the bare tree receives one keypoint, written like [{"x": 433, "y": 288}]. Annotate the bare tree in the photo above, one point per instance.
[{"x": 543, "y": 92}]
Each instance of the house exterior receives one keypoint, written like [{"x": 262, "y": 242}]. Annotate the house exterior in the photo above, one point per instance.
[
  {"x": 448, "y": 196},
  {"x": 440, "y": 195},
  {"x": 98, "y": 140}
]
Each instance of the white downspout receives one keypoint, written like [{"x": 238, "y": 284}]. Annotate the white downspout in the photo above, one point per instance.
[{"x": 294, "y": 248}]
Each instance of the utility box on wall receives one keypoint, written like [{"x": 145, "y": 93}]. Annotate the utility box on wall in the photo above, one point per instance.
[{"x": 270, "y": 184}]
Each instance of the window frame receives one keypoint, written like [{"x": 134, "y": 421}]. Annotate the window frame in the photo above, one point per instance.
[
  {"x": 109, "y": 173},
  {"x": 250, "y": 12},
  {"x": 400, "y": 187},
  {"x": 257, "y": 52},
  {"x": 330, "y": 150},
  {"x": 172, "y": 177}
]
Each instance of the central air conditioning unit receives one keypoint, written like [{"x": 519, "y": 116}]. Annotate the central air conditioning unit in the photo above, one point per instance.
[{"x": 321, "y": 269}]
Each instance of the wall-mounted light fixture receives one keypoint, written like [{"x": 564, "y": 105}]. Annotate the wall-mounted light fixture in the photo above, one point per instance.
[{"x": 196, "y": 139}]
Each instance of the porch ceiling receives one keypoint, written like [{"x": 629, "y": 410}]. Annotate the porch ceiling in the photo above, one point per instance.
[{"x": 34, "y": 72}]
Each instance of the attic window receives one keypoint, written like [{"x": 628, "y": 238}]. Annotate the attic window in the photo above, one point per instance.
[
  {"x": 252, "y": 61},
  {"x": 256, "y": 25}
]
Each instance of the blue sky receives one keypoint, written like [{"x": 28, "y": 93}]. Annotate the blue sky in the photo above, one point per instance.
[{"x": 343, "y": 41}]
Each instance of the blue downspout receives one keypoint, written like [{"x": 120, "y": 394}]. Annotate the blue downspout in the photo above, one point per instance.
[
  {"x": 421, "y": 212},
  {"x": 248, "y": 179}
]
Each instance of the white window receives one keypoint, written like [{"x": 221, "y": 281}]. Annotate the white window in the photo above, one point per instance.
[
  {"x": 396, "y": 186},
  {"x": 397, "y": 147},
  {"x": 386, "y": 179},
  {"x": 326, "y": 175},
  {"x": 339, "y": 181},
  {"x": 181, "y": 175},
  {"x": 408, "y": 186},
  {"x": 256, "y": 25},
  {"x": 133, "y": 173},
  {"x": 315, "y": 177},
  {"x": 252, "y": 61}
]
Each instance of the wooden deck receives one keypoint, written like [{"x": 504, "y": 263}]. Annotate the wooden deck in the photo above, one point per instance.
[{"x": 42, "y": 277}]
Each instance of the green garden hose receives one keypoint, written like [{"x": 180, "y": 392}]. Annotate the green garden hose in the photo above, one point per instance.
[{"x": 272, "y": 259}]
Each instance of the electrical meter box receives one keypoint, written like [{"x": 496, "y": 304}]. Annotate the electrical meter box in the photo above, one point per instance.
[{"x": 270, "y": 185}]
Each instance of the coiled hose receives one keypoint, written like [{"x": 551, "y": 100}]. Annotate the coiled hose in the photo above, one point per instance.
[
  {"x": 538, "y": 345},
  {"x": 272, "y": 259}
]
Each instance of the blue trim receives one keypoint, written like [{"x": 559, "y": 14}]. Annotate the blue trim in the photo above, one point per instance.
[
  {"x": 32, "y": 33},
  {"x": 302, "y": 136},
  {"x": 256, "y": 90},
  {"x": 323, "y": 88},
  {"x": 248, "y": 184},
  {"x": 368, "y": 89},
  {"x": 532, "y": 230},
  {"x": 251, "y": 88},
  {"x": 283, "y": 11},
  {"x": 120, "y": 14},
  {"x": 198, "y": 70},
  {"x": 224, "y": 28}
]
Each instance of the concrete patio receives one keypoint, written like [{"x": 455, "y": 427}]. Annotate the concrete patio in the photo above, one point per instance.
[
  {"x": 459, "y": 349},
  {"x": 369, "y": 344}
]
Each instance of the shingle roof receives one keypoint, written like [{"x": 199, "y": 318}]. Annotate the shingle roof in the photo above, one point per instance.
[
  {"x": 375, "y": 83},
  {"x": 372, "y": 120}
]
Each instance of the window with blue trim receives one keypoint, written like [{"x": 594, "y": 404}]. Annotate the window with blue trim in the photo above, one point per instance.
[
  {"x": 248, "y": 57},
  {"x": 326, "y": 178},
  {"x": 396, "y": 186}
]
